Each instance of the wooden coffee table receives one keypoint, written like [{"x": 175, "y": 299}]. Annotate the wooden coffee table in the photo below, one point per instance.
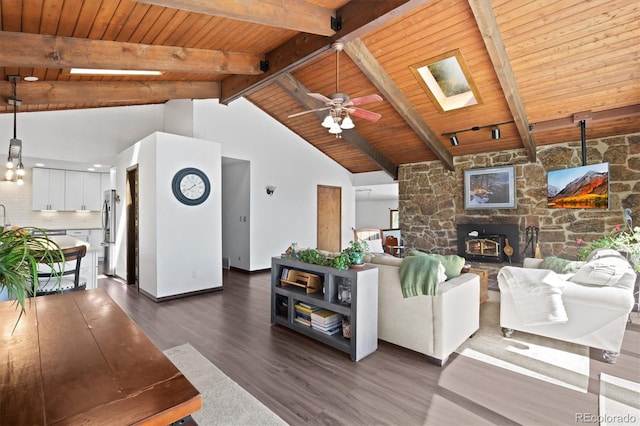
[{"x": 77, "y": 358}]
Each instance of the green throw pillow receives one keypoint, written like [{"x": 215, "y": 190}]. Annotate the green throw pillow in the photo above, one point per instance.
[
  {"x": 561, "y": 266},
  {"x": 452, "y": 263}
]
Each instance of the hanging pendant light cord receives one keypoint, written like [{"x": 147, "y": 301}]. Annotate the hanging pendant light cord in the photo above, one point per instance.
[{"x": 15, "y": 110}]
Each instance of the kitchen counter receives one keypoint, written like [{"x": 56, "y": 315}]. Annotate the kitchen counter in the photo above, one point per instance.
[
  {"x": 89, "y": 263},
  {"x": 66, "y": 241}
]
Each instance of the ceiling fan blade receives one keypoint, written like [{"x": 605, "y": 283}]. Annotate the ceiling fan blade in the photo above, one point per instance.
[
  {"x": 363, "y": 113},
  {"x": 363, "y": 100},
  {"x": 307, "y": 112},
  {"x": 321, "y": 98}
]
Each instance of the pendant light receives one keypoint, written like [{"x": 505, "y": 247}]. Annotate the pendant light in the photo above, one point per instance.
[{"x": 14, "y": 158}]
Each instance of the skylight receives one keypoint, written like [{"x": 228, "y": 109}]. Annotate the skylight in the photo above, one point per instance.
[{"x": 447, "y": 81}]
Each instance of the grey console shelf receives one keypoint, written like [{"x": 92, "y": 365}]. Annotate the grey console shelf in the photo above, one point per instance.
[{"x": 362, "y": 312}]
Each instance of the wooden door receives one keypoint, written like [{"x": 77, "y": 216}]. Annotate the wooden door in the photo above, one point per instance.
[{"x": 329, "y": 218}]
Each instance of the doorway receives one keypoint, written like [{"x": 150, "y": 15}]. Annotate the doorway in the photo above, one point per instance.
[
  {"x": 132, "y": 227},
  {"x": 329, "y": 218}
]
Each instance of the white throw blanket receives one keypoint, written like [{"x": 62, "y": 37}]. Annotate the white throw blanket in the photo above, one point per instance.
[{"x": 537, "y": 294}]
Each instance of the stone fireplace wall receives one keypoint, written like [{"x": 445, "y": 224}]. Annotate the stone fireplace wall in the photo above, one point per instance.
[{"x": 431, "y": 197}]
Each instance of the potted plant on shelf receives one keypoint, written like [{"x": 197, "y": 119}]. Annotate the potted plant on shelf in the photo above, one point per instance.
[
  {"x": 20, "y": 254},
  {"x": 356, "y": 251}
]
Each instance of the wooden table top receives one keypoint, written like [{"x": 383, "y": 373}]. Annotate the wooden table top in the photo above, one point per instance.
[{"x": 77, "y": 358}]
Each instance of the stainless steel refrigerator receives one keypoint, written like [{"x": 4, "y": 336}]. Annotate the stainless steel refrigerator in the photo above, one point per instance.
[{"x": 109, "y": 230}]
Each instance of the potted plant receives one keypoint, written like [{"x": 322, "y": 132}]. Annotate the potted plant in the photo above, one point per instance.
[
  {"x": 356, "y": 251},
  {"x": 20, "y": 254},
  {"x": 626, "y": 242}
]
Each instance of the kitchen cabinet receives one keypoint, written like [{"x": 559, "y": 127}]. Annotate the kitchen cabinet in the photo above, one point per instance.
[
  {"x": 82, "y": 191},
  {"x": 96, "y": 237},
  {"x": 48, "y": 189}
]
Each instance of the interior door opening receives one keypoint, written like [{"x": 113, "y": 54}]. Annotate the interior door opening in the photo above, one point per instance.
[{"x": 132, "y": 227}]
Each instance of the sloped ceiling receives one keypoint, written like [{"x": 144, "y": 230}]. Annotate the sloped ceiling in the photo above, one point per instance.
[{"x": 540, "y": 66}]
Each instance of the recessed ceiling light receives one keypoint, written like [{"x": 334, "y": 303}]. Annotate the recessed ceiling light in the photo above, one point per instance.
[
  {"x": 31, "y": 78},
  {"x": 39, "y": 164},
  {"x": 97, "y": 165},
  {"x": 112, "y": 72},
  {"x": 91, "y": 169}
]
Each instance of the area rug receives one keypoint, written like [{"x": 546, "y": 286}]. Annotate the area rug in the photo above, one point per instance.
[
  {"x": 619, "y": 401},
  {"x": 554, "y": 361},
  {"x": 224, "y": 402}
]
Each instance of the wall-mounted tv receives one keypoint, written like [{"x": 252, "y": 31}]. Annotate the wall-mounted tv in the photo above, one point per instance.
[{"x": 585, "y": 187}]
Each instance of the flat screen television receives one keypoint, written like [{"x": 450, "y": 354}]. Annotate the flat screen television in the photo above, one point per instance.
[{"x": 585, "y": 187}]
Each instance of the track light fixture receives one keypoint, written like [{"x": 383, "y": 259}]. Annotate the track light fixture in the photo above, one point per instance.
[
  {"x": 14, "y": 157},
  {"x": 495, "y": 132}
]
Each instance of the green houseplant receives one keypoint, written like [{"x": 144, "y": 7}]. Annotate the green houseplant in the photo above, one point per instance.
[
  {"x": 626, "y": 242},
  {"x": 356, "y": 250},
  {"x": 20, "y": 254}
]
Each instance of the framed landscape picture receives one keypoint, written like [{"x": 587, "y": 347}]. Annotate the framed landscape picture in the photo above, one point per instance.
[{"x": 491, "y": 188}]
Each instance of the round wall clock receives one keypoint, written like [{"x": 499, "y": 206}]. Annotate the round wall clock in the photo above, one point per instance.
[{"x": 191, "y": 186}]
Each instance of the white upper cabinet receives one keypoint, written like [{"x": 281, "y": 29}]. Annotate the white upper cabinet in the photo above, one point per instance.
[
  {"x": 48, "y": 189},
  {"x": 82, "y": 191}
]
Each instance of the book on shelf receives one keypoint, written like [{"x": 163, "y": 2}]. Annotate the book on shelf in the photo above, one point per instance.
[
  {"x": 325, "y": 327},
  {"x": 325, "y": 316},
  {"x": 303, "y": 315},
  {"x": 306, "y": 308},
  {"x": 330, "y": 331},
  {"x": 303, "y": 321},
  {"x": 284, "y": 274}
]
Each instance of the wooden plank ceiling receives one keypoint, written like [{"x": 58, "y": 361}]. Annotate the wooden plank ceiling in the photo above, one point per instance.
[{"x": 539, "y": 65}]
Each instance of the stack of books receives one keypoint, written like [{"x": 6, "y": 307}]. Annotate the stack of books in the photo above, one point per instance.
[
  {"x": 303, "y": 313},
  {"x": 326, "y": 321}
]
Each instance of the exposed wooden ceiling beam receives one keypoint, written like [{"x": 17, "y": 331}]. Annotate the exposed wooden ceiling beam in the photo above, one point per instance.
[
  {"x": 363, "y": 58},
  {"x": 606, "y": 115},
  {"x": 69, "y": 92},
  {"x": 357, "y": 17},
  {"x": 488, "y": 25},
  {"x": 296, "y": 15},
  {"x": 299, "y": 92},
  {"x": 35, "y": 50}
]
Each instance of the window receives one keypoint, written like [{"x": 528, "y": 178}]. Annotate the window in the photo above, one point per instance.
[
  {"x": 447, "y": 81},
  {"x": 394, "y": 219}
]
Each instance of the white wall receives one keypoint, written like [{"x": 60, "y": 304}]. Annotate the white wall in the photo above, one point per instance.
[
  {"x": 276, "y": 155},
  {"x": 90, "y": 135},
  {"x": 180, "y": 248},
  {"x": 374, "y": 213},
  {"x": 281, "y": 158}
]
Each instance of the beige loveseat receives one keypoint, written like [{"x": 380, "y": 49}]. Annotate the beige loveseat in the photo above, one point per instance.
[
  {"x": 432, "y": 325},
  {"x": 588, "y": 304}
]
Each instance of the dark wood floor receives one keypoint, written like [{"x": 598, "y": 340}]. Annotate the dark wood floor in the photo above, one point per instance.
[{"x": 305, "y": 382}]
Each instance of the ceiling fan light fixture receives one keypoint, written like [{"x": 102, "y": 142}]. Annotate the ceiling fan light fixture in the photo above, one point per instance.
[
  {"x": 335, "y": 129},
  {"x": 347, "y": 123},
  {"x": 328, "y": 121}
]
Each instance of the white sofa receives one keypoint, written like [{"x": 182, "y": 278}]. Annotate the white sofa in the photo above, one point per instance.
[
  {"x": 432, "y": 325},
  {"x": 597, "y": 298}
]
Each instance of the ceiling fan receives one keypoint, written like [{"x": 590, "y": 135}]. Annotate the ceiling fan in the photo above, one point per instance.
[{"x": 341, "y": 106}]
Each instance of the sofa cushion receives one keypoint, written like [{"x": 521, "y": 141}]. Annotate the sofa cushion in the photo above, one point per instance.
[
  {"x": 599, "y": 253},
  {"x": 560, "y": 265},
  {"x": 603, "y": 271},
  {"x": 375, "y": 246},
  {"x": 453, "y": 264},
  {"x": 387, "y": 260}
]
